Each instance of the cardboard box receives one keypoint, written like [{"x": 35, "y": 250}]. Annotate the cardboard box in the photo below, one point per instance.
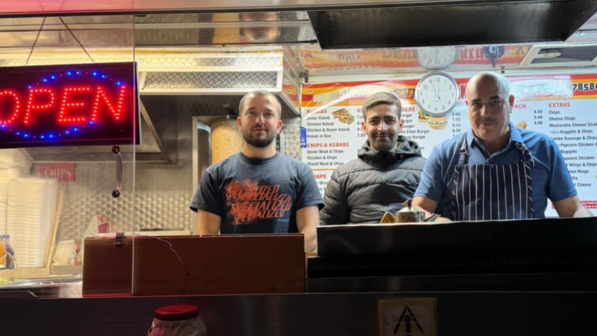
[
  {"x": 108, "y": 267},
  {"x": 251, "y": 264},
  {"x": 192, "y": 265}
]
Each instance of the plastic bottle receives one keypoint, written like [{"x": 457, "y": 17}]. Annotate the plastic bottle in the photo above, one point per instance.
[{"x": 177, "y": 320}]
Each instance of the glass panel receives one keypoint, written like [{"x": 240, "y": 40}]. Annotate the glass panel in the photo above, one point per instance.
[
  {"x": 55, "y": 196},
  {"x": 223, "y": 29}
]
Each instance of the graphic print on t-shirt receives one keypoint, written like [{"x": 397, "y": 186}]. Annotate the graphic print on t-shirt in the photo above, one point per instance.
[{"x": 248, "y": 201}]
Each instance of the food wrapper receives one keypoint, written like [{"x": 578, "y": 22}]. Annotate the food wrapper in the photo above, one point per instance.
[{"x": 387, "y": 218}]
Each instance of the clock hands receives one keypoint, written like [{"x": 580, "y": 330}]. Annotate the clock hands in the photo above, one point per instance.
[{"x": 435, "y": 88}]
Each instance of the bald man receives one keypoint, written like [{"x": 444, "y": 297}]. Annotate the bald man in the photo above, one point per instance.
[{"x": 495, "y": 171}]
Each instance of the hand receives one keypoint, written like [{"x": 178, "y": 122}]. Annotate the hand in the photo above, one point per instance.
[{"x": 435, "y": 88}]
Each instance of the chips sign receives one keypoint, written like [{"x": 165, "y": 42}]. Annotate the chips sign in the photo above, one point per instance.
[
  {"x": 63, "y": 172},
  {"x": 69, "y": 105}
]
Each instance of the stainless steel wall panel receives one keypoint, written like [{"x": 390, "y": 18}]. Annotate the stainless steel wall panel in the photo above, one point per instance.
[{"x": 210, "y": 80}]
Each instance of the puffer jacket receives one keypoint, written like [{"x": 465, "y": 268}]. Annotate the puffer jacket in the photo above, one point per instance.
[{"x": 362, "y": 190}]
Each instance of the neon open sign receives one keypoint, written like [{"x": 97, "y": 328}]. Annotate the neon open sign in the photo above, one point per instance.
[{"x": 91, "y": 104}]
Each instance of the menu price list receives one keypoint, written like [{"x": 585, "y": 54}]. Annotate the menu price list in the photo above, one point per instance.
[
  {"x": 329, "y": 154},
  {"x": 573, "y": 127},
  {"x": 359, "y": 129},
  {"x": 322, "y": 176},
  {"x": 458, "y": 123},
  {"x": 330, "y": 138},
  {"x": 428, "y": 131}
]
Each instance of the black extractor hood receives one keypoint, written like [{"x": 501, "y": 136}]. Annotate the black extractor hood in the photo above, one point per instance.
[{"x": 436, "y": 23}]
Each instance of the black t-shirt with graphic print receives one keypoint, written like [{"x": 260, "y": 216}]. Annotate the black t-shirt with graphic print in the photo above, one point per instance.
[{"x": 257, "y": 195}]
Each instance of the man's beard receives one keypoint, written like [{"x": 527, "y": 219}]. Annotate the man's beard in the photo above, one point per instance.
[
  {"x": 380, "y": 145},
  {"x": 259, "y": 142}
]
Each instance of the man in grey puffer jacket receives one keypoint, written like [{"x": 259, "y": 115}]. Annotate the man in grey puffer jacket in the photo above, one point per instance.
[{"x": 386, "y": 173}]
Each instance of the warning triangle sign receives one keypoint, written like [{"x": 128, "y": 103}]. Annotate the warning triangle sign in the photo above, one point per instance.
[
  {"x": 407, "y": 317},
  {"x": 408, "y": 325}
]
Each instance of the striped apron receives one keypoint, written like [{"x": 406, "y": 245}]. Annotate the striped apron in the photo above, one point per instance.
[{"x": 490, "y": 191}]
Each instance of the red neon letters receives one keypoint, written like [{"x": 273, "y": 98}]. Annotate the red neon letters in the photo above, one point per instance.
[
  {"x": 102, "y": 97},
  {"x": 33, "y": 102},
  {"x": 74, "y": 106},
  {"x": 69, "y": 104},
  {"x": 16, "y": 108}
]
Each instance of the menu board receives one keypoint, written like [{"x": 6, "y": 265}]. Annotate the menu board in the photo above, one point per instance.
[
  {"x": 466, "y": 58},
  {"x": 561, "y": 106}
]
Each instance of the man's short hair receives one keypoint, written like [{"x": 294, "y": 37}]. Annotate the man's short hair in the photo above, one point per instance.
[
  {"x": 380, "y": 98},
  {"x": 259, "y": 93}
]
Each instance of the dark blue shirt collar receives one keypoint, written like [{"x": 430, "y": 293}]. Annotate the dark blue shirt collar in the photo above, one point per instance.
[{"x": 471, "y": 139}]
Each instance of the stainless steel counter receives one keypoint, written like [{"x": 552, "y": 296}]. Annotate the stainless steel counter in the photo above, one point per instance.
[
  {"x": 458, "y": 313},
  {"x": 48, "y": 287}
]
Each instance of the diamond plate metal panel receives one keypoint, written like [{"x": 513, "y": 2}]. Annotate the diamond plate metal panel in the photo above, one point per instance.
[
  {"x": 244, "y": 62},
  {"x": 211, "y": 80},
  {"x": 240, "y": 62},
  {"x": 167, "y": 62},
  {"x": 292, "y": 137}
]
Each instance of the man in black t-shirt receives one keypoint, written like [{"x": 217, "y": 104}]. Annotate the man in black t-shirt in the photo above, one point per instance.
[{"x": 258, "y": 190}]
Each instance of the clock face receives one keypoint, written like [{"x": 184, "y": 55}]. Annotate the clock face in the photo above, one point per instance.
[
  {"x": 435, "y": 58},
  {"x": 437, "y": 93}
]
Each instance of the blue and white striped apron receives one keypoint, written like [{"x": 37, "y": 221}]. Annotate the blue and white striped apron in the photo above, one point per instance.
[{"x": 491, "y": 191}]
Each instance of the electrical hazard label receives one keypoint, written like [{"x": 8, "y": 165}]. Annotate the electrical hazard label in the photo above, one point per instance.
[{"x": 407, "y": 317}]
